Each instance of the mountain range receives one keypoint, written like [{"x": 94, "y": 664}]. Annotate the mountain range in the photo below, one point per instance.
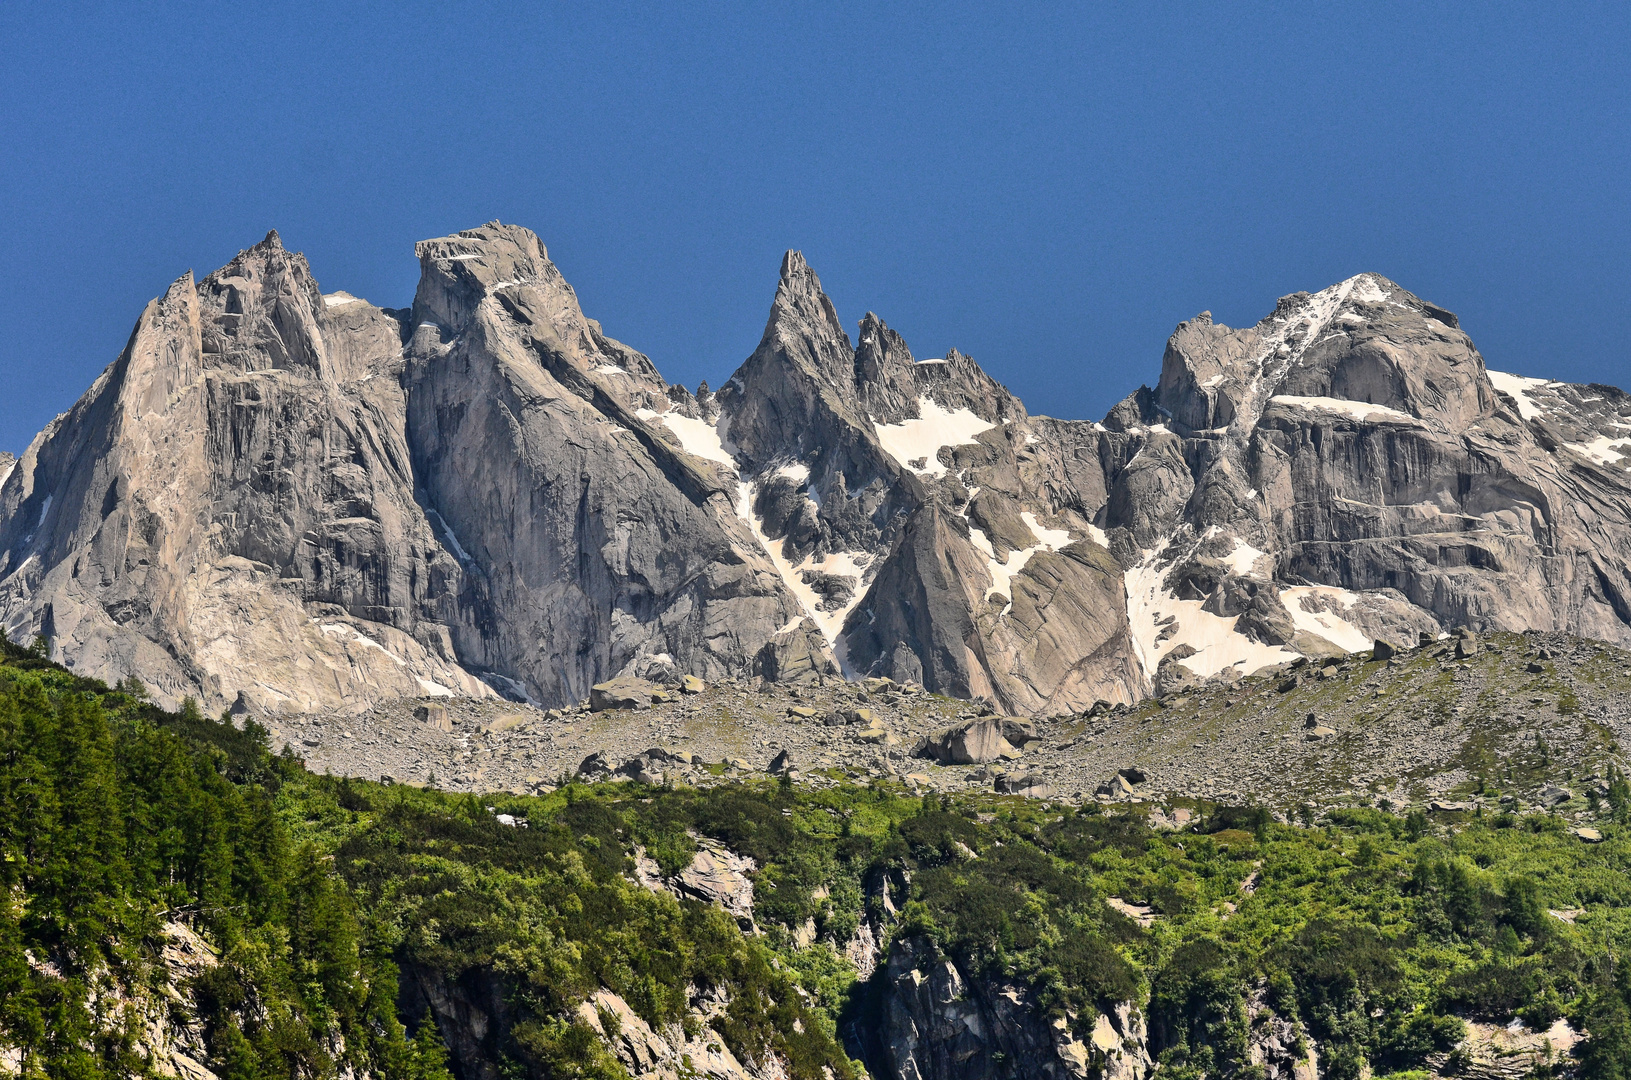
[{"x": 287, "y": 500}]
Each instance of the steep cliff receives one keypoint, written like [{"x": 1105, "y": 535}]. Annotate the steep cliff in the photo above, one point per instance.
[{"x": 591, "y": 538}]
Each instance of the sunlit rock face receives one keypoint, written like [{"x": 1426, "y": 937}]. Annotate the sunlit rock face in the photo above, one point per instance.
[{"x": 287, "y": 500}]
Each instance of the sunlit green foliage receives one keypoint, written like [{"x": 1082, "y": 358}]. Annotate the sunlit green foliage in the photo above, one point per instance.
[{"x": 334, "y": 903}]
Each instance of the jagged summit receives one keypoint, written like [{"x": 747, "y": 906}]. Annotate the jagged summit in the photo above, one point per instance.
[
  {"x": 290, "y": 500},
  {"x": 1363, "y": 341},
  {"x": 227, "y": 512}
]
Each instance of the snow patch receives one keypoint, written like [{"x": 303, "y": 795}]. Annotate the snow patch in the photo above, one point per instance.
[
  {"x": 924, "y": 436},
  {"x": 1364, "y": 288},
  {"x": 1518, "y": 387},
  {"x": 698, "y": 437},
  {"x": 433, "y": 689},
  {"x": 1052, "y": 539},
  {"x": 840, "y": 564},
  {"x": 452, "y": 540},
  {"x": 798, "y": 472},
  {"x": 460, "y": 258},
  {"x": 1602, "y": 450},
  {"x": 1241, "y": 560},
  {"x": 1004, "y": 573},
  {"x": 1287, "y": 337},
  {"x": 341, "y": 299},
  {"x": 935, "y": 360},
  {"x": 1152, "y": 610},
  {"x": 1359, "y": 410},
  {"x": 341, "y": 630},
  {"x": 610, "y": 369},
  {"x": 1326, "y": 624},
  {"x": 493, "y": 678}
]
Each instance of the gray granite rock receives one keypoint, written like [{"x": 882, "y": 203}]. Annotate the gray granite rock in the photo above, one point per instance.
[{"x": 283, "y": 502}]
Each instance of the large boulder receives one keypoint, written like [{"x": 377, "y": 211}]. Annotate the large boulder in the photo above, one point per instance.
[
  {"x": 433, "y": 715},
  {"x": 1031, "y": 785},
  {"x": 623, "y": 693},
  {"x": 974, "y": 742}
]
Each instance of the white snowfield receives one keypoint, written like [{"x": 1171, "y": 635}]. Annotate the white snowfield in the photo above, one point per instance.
[
  {"x": 341, "y": 299},
  {"x": 698, "y": 437},
  {"x": 1327, "y": 624},
  {"x": 1518, "y": 388},
  {"x": 923, "y": 437},
  {"x": 1243, "y": 558},
  {"x": 1151, "y": 610},
  {"x": 1604, "y": 450},
  {"x": 1359, "y": 410}
]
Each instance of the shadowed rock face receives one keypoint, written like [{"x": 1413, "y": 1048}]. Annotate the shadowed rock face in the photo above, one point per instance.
[
  {"x": 299, "y": 501},
  {"x": 935, "y": 1021}
]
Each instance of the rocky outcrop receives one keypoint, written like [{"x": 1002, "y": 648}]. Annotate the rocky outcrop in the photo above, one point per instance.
[
  {"x": 715, "y": 875},
  {"x": 673, "y": 1054},
  {"x": 1277, "y": 1044},
  {"x": 477, "y": 1021},
  {"x": 935, "y": 1022}
]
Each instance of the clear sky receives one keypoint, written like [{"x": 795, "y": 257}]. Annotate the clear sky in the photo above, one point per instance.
[{"x": 1048, "y": 188}]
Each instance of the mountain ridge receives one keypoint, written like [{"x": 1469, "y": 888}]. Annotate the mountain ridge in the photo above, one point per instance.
[{"x": 286, "y": 500}]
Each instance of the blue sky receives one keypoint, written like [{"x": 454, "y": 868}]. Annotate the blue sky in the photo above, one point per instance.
[{"x": 1048, "y": 188}]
